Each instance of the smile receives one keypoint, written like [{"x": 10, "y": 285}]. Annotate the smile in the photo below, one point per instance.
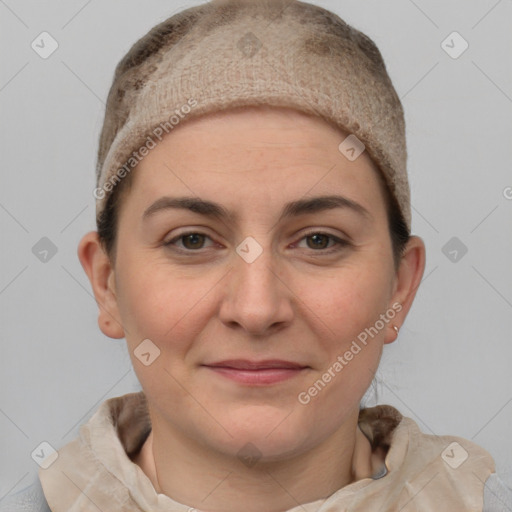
[{"x": 256, "y": 373}]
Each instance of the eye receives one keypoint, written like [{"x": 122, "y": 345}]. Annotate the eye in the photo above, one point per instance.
[
  {"x": 191, "y": 241},
  {"x": 320, "y": 241}
]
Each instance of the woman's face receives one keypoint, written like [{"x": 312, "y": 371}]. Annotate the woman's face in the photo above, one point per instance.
[{"x": 270, "y": 294}]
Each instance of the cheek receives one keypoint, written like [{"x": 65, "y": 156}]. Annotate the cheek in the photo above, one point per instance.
[
  {"x": 348, "y": 300},
  {"x": 156, "y": 302},
  {"x": 159, "y": 307},
  {"x": 349, "y": 306}
]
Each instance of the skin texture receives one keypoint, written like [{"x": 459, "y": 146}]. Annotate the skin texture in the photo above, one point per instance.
[{"x": 294, "y": 302}]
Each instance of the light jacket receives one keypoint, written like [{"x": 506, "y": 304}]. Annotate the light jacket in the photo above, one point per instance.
[{"x": 422, "y": 473}]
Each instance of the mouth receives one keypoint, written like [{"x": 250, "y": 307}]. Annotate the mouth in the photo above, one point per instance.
[{"x": 257, "y": 372}]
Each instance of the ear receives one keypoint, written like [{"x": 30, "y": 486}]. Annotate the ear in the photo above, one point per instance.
[
  {"x": 407, "y": 281},
  {"x": 100, "y": 272}
]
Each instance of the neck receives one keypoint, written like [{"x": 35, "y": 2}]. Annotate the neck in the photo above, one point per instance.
[{"x": 208, "y": 480}]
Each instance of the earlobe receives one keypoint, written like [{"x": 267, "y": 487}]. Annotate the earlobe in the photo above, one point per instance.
[
  {"x": 408, "y": 279},
  {"x": 98, "y": 268}
]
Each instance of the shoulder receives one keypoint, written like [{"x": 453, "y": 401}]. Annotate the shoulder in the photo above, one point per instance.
[
  {"x": 498, "y": 494},
  {"x": 29, "y": 499},
  {"x": 455, "y": 469}
]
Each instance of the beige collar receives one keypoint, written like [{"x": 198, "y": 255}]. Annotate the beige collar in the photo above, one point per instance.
[{"x": 421, "y": 472}]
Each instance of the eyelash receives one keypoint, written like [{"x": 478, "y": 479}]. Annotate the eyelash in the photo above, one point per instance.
[{"x": 340, "y": 243}]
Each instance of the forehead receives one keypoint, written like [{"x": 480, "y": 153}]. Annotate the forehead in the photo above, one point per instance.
[{"x": 233, "y": 154}]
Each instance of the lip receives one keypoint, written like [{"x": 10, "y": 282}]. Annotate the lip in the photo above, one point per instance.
[
  {"x": 246, "y": 364},
  {"x": 257, "y": 372}
]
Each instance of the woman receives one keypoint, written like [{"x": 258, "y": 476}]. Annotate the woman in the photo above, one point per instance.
[{"x": 254, "y": 249}]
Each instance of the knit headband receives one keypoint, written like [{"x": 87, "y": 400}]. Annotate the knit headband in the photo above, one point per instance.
[{"x": 232, "y": 53}]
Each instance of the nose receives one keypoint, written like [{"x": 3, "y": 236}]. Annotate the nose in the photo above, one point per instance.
[{"x": 257, "y": 298}]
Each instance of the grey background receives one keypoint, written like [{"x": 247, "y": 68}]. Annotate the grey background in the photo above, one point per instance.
[{"x": 450, "y": 369}]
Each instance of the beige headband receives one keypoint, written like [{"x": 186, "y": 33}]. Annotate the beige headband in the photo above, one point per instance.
[{"x": 233, "y": 53}]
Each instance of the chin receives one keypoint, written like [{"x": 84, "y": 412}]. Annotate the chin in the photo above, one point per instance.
[{"x": 271, "y": 433}]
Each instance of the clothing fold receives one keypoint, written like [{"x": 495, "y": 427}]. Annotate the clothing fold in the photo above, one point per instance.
[{"x": 422, "y": 472}]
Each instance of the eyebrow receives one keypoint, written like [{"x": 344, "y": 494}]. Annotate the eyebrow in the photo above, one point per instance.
[{"x": 291, "y": 209}]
